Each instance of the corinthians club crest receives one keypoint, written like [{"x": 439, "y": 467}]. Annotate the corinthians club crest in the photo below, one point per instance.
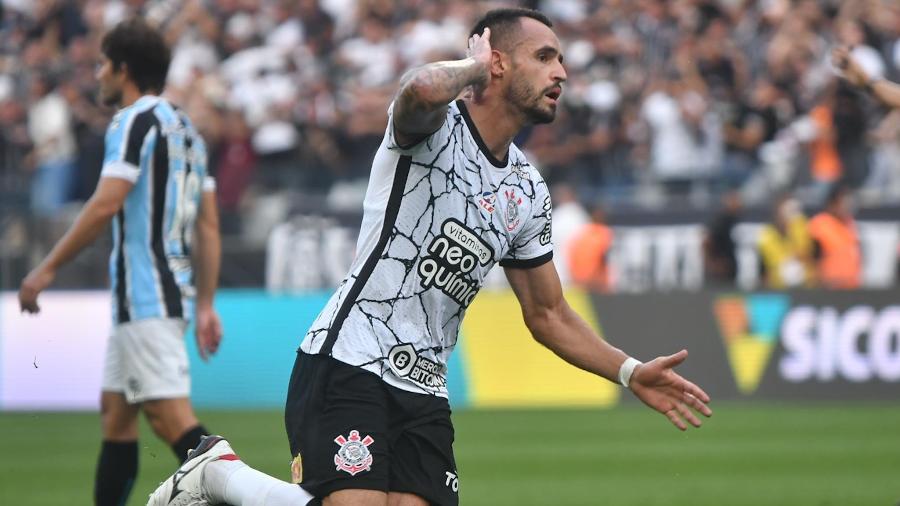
[
  {"x": 353, "y": 456},
  {"x": 512, "y": 209}
]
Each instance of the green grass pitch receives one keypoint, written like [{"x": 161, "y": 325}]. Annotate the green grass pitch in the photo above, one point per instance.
[{"x": 748, "y": 454}]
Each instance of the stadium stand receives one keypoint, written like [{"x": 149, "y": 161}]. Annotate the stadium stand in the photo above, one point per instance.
[{"x": 668, "y": 105}]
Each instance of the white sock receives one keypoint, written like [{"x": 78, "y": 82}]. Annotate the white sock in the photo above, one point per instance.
[{"x": 233, "y": 482}]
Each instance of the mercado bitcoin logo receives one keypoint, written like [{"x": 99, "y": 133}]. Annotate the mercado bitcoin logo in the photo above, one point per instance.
[{"x": 749, "y": 327}]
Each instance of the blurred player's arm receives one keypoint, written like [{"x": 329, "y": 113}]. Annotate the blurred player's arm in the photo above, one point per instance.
[
  {"x": 97, "y": 212},
  {"x": 207, "y": 259},
  {"x": 883, "y": 90},
  {"x": 554, "y": 324},
  {"x": 425, "y": 92}
]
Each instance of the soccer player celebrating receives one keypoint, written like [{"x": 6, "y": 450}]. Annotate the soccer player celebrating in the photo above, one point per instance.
[
  {"x": 449, "y": 196},
  {"x": 155, "y": 189}
]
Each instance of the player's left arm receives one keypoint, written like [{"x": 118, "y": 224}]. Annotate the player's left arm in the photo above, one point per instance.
[
  {"x": 554, "y": 324},
  {"x": 207, "y": 260},
  {"x": 106, "y": 201}
]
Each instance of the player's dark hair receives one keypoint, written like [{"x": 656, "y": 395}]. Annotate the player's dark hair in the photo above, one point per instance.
[
  {"x": 143, "y": 51},
  {"x": 504, "y": 23}
]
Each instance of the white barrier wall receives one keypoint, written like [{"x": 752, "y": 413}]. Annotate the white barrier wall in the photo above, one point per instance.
[
  {"x": 315, "y": 253},
  {"x": 53, "y": 361}
]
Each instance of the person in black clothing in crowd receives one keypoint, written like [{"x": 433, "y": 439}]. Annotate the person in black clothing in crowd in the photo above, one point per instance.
[{"x": 718, "y": 243}]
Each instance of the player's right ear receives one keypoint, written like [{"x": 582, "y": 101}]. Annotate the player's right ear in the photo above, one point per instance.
[{"x": 499, "y": 63}]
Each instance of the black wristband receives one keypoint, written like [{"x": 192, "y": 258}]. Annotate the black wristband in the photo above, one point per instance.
[{"x": 870, "y": 85}]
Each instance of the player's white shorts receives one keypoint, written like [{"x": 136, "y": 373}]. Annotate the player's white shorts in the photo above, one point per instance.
[{"x": 147, "y": 359}]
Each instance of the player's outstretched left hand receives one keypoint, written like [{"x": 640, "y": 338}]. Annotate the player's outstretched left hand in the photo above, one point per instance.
[
  {"x": 657, "y": 385},
  {"x": 33, "y": 284}
]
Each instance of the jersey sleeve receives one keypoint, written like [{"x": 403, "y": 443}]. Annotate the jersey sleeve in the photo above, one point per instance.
[
  {"x": 432, "y": 142},
  {"x": 532, "y": 246},
  {"x": 127, "y": 136}
]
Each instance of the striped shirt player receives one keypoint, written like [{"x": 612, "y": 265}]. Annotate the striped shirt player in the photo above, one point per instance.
[
  {"x": 437, "y": 217},
  {"x": 155, "y": 190},
  {"x": 155, "y": 146}
]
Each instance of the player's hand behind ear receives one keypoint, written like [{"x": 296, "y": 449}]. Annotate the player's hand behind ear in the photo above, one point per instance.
[{"x": 480, "y": 50}]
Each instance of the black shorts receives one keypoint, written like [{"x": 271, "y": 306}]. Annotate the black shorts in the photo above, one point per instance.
[{"x": 354, "y": 431}]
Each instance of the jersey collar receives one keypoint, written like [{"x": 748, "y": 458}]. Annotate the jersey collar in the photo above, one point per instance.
[{"x": 501, "y": 164}]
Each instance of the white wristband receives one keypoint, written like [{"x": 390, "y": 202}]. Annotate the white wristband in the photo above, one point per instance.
[{"x": 627, "y": 370}]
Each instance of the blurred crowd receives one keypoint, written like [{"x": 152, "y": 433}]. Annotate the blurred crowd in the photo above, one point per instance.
[
  {"x": 703, "y": 97},
  {"x": 666, "y": 99}
]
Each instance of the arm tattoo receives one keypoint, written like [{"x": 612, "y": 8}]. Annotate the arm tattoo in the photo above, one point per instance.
[{"x": 426, "y": 91}]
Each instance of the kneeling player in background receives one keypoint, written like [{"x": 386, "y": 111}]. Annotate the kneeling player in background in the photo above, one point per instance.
[{"x": 449, "y": 197}]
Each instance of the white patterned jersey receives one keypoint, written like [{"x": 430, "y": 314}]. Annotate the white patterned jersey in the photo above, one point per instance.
[{"x": 437, "y": 216}]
